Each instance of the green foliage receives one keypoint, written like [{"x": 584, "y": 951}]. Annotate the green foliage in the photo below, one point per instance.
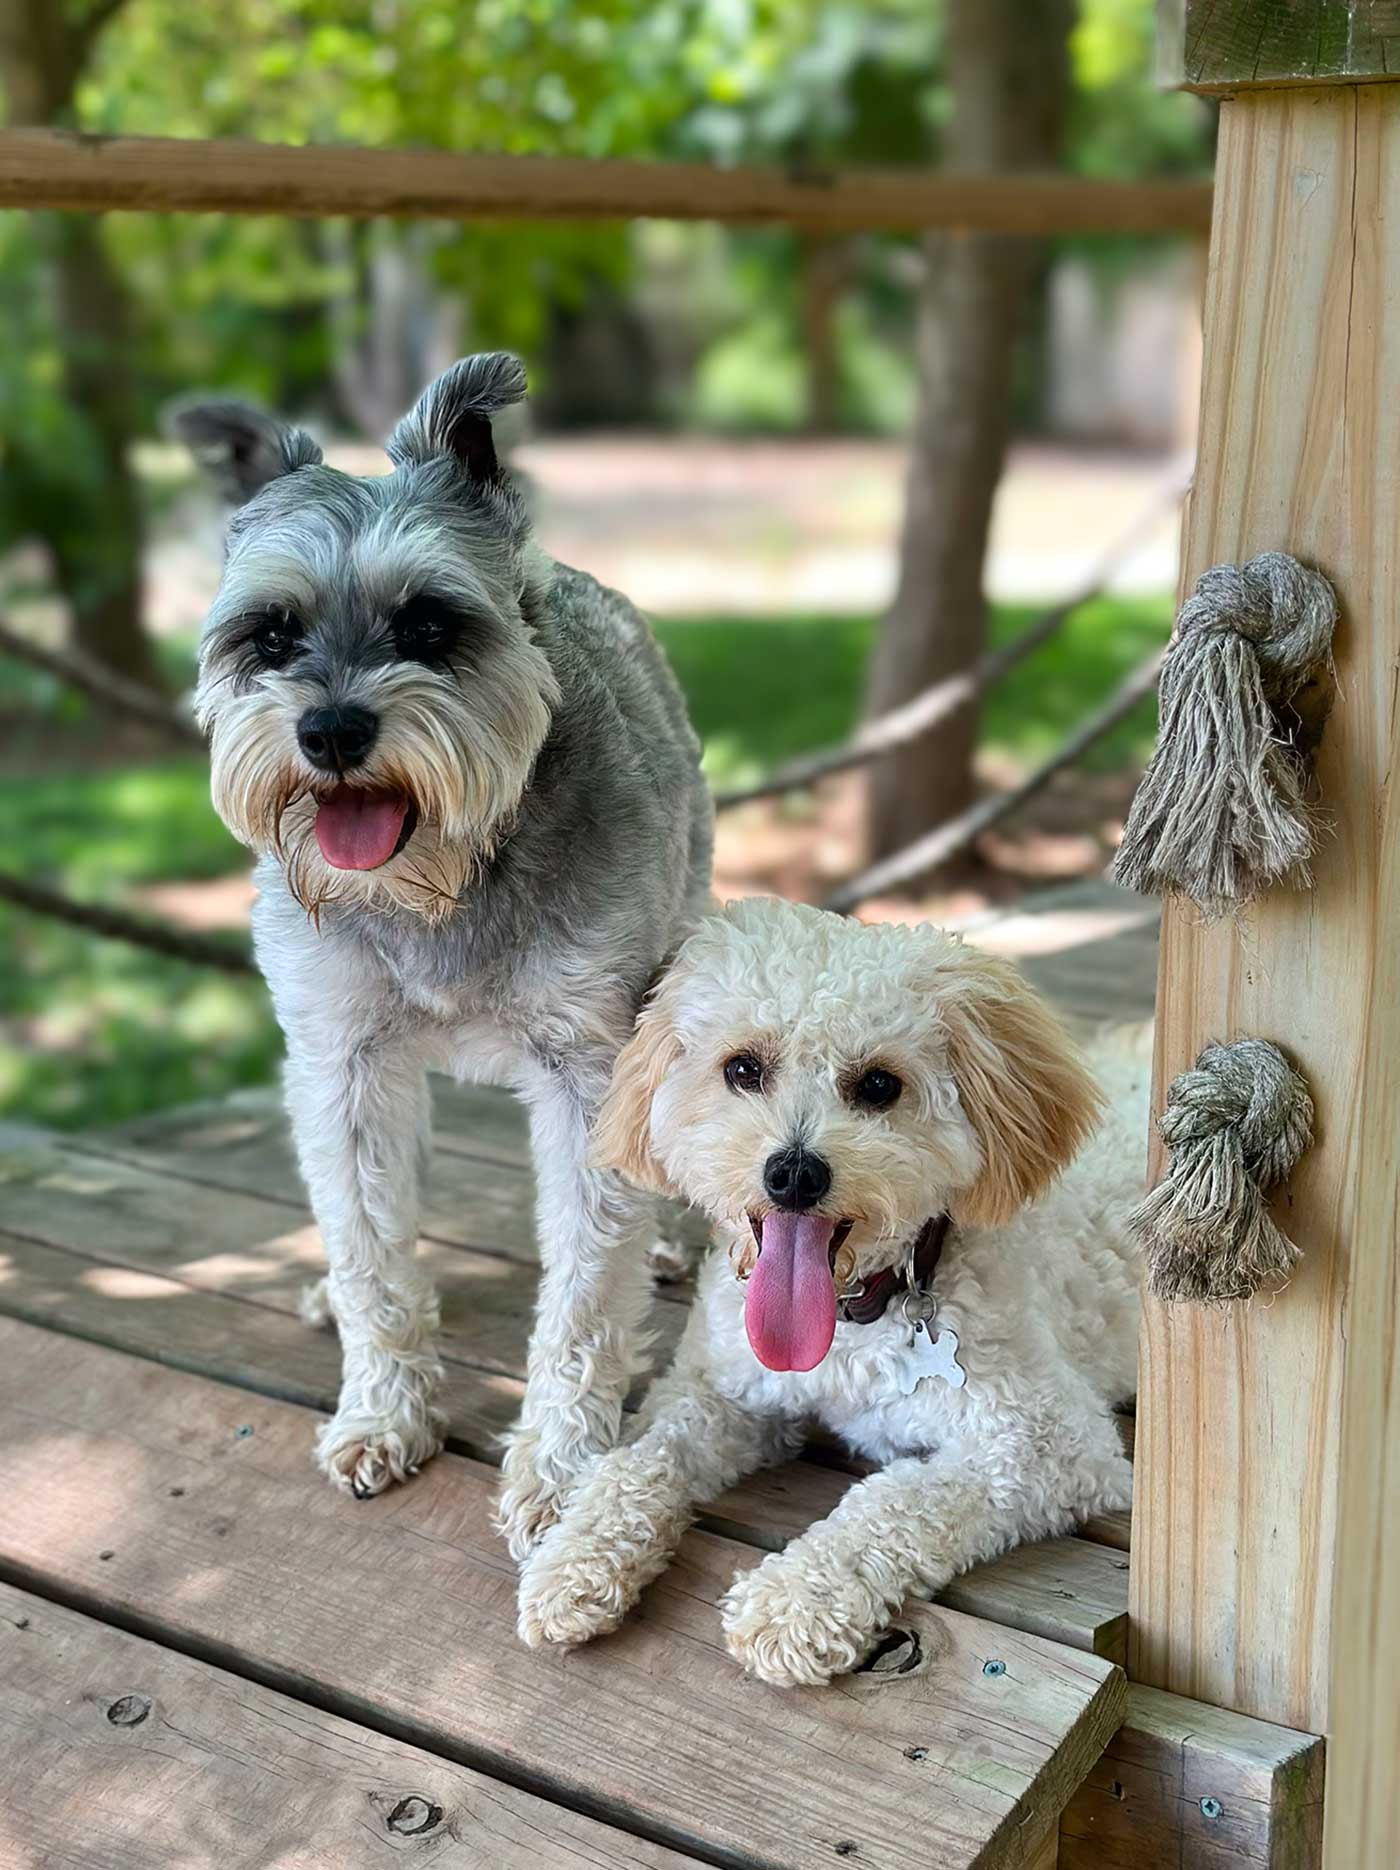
[
  {"x": 265, "y": 304},
  {"x": 93, "y": 1031}
]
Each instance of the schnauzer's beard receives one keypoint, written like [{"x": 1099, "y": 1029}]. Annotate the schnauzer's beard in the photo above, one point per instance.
[{"x": 461, "y": 755}]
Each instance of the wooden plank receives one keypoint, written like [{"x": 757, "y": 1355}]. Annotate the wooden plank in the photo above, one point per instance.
[
  {"x": 243, "y": 1143},
  {"x": 1112, "y": 1529},
  {"x": 1234, "y": 45},
  {"x": 117, "y": 1754},
  {"x": 1184, "y": 1786},
  {"x": 468, "y": 1119},
  {"x": 472, "y": 1196},
  {"x": 1064, "y": 1589},
  {"x": 1067, "y": 1589},
  {"x": 208, "y": 1333},
  {"x": 63, "y": 169},
  {"x": 186, "y": 1508},
  {"x": 257, "y": 1248},
  {"x": 1240, "y": 1444}
]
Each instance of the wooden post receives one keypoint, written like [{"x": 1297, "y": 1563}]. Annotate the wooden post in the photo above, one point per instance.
[{"x": 1266, "y": 1549}]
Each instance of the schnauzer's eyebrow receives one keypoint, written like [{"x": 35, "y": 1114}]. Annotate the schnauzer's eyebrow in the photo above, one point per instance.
[
  {"x": 391, "y": 566},
  {"x": 264, "y": 581}
]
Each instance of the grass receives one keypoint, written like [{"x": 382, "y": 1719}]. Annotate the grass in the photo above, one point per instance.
[
  {"x": 93, "y": 1032},
  {"x": 762, "y": 689}
]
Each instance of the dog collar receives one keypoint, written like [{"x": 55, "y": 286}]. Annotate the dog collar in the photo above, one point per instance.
[{"x": 868, "y": 1302}]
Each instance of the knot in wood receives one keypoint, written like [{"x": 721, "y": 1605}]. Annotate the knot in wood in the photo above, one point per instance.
[{"x": 412, "y": 1816}]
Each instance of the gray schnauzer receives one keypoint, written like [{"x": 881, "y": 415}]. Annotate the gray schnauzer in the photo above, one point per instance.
[{"x": 482, "y": 831}]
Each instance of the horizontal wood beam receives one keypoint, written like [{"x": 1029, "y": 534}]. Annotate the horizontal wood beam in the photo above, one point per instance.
[
  {"x": 1232, "y": 45},
  {"x": 96, "y": 174},
  {"x": 1182, "y": 1783}
]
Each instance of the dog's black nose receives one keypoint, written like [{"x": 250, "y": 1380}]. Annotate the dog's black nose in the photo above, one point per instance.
[
  {"x": 795, "y": 1179},
  {"x": 336, "y": 739}
]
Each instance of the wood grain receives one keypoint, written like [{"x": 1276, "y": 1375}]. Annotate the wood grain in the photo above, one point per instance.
[
  {"x": 60, "y": 169},
  {"x": 1233, "y": 45},
  {"x": 266, "y": 1250},
  {"x": 1067, "y": 1589},
  {"x": 245, "y": 1148},
  {"x": 1183, "y": 1786},
  {"x": 187, "y": 1509},
  {"x": 243, "y": 1144},
  {"x": 1363, "y": 1799},
  {"x": 1239, "y": 1439},
  {"x": 235, "y": 1134},
  {"x": 117, "y": 1754}
]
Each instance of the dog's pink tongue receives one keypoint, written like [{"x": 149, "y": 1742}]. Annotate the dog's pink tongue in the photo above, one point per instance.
[
  {"x": 358, "y": 830},
  {"x": 790, "y": 1299}
]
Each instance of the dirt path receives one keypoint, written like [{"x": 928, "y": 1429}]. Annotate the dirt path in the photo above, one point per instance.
[{"x": 688, "y": 524}]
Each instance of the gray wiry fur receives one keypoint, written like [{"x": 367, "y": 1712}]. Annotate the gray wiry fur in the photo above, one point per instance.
[
  {"x": 562, "y": 853},
  {"x": 239, "y": 447}
]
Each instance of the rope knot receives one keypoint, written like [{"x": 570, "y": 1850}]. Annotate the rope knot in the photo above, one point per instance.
[
  {"x": 1234, "y": 1125},
  {"x": 1222, "y": 810},
  {"x": 1284, "y": 611}
]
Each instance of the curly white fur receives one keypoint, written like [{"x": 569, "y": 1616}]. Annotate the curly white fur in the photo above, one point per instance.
[{"x": 1045, "y": 1301}]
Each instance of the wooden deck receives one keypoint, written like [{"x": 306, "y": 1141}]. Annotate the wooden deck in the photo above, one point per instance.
[{"x": 210, "y": 1658}]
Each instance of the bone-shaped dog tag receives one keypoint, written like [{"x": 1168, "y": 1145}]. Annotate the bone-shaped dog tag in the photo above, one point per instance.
[{"x": 933, "y": 1356}]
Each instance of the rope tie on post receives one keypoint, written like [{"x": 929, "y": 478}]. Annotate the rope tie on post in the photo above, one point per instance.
[
  {"x": 1223, "y": 810},
  {"x": 1234, "y": 1126}
]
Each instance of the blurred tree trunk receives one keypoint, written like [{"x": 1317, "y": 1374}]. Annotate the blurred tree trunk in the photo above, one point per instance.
[
  {"x": 396, "y": 327},
  {"x": 89, "y": 512},
  {"x": 1007, "y": 73},
  {"x": 823, "y": 265}
]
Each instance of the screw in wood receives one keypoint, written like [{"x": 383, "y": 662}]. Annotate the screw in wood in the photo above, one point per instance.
[
  {"x": 1212, "y": 1808},
  {"x": 243, "y": 1431},
  {"x": 994, "y": 1668},
  {"x": 128, "y": 1710}
]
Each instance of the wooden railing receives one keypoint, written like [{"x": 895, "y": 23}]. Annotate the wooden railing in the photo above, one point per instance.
[
  {"x": 66, "y": 170},
  {"x": 73, "y": 172}
]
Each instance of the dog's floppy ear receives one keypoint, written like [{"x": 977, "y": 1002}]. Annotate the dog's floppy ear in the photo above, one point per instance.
[
  {"x": 453, "y": 415},
  {"x": 622, "y": 1132},
  {"x": 1023, "y": 1086},
  {"x": 239, "y": 447}
]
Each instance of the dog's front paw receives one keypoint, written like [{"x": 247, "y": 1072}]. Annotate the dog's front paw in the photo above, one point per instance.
[
  {"x": 529, "y": 1502},
  {"x": 798, "y": 1630},
  {"x": 572, "y": 1590},
  {"x": 363, "y": 1454}
]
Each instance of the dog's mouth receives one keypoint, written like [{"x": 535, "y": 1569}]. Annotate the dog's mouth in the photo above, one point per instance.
[
  {"x": 358, "y": 828},
  {"x": 790, "y": 1298}
]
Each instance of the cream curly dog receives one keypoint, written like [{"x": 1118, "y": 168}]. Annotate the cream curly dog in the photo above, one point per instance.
[{"x": 875, "y": 1119}]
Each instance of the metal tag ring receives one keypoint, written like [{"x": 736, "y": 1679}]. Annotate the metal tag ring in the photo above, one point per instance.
[{"x": 919, "y": 1308}]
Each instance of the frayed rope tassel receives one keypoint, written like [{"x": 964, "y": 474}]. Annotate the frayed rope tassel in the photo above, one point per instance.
[
  {"x": 1233, "y": 1126},
  {"x": 1223, "y": 810}
]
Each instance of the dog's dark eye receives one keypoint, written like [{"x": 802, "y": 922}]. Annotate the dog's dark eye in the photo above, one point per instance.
[
  {"x": 876, "y": 1089},
  {"x": 425, "y": 628},
  {"x": 274, "y": 641},
  {"x": 743, "y": 1072}
]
